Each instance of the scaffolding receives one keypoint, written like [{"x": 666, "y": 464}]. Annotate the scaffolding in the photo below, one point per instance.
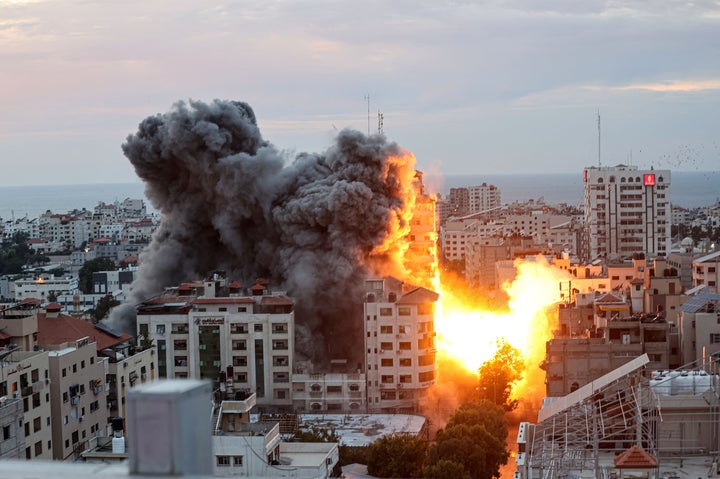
[{"x": 673, "y": 415}]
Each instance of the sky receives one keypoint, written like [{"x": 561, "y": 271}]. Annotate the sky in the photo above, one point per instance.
[{"x": 469, "y": 87}]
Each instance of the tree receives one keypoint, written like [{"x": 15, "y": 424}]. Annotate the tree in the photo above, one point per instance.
[
  {"x": 103, "y": 307},
  {"x": 14, "y": 254},
  {"x": 498, "y": 374},
  {"x": 474, "y": 439},
  {"x": 446, "y": 469},
  {"x": 397, "y": 455},
  {"x": 90, "y": 267}
]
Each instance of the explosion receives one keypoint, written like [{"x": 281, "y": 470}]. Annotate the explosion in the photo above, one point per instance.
[
  {"x": 468, "y": 329},
  {"x": 316, "y": 225}
]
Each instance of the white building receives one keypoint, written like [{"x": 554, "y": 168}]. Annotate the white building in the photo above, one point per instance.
[
  {"x": 706, "y": 270},
  {"x": 203, "y": 329},
  {"x": 44, "y": 286},
  {"x": 626, "y": 211},
  {"x": 399, "y": 344},
  {"x": 483, "y": 197},
  {"x": 330, "y": 392}
]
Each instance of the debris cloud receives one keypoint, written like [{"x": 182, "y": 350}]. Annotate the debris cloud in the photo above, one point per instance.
[{"x": 315, "y": 225}]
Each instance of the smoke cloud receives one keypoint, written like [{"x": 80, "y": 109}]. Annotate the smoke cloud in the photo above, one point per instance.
[{"x": 315, "y": 225}]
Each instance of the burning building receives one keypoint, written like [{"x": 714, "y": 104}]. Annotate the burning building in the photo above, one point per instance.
[{"x": 317, "y": 225}]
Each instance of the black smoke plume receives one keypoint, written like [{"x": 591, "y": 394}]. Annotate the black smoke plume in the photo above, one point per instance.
[{"x": 316, "y": 225}]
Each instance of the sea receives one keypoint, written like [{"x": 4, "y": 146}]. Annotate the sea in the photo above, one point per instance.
[{"x": 692, "y": 189}]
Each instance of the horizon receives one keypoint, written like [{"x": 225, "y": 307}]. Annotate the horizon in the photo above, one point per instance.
[{"x": 499, "y": 86}]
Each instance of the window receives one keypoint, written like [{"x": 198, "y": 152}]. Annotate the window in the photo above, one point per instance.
[
  {"x": 714, "y": 338},
  {"x": 386, "y": 346},
  {"x": 238, "y": 328},
  {"x": 37, "y": 424},
  {"x": 386, "y": 362},
  {"x": 387, "y": 379},
  {"x": 6, "y": 433},
  {"x": 405, "y": 346},
  {"x": 258, "y": 328},
  {"x": 38, "y": 448},
  {"x": 223, "y": 461},
  {"x": 385, "y": 311},
  {"x": 160, "y": 329},
  {"x": 405, "y": 362},
  {"x": 386, "y": 329},
  {"x": 404, "y": 310},
  {"x": 237, "y": 460}
]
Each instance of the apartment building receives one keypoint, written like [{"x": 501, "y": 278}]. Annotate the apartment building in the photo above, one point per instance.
[
  {"x": 79, "y": 410},
  {"x": 699, "y": 327},
  {"x": 12, "y": 439},
  {"x": 399, "y": 344},
  {"x": 421, "y": 257},
  {"x": 572, "y": 362},
  {"x": 627, "y": 211},
  {"x": 44, "y": 287},
  {"x": 483, "y": 197},
  {"x": 328, "y": 392},
  {"x": 25, "y": 413},
  {"x": 706, "y": 271},
  {"x": 201, "y": 328}
]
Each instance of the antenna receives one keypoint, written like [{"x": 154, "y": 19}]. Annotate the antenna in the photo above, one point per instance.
[
  {"x": 367, "y": 98},
  {"x": 598, "y": 115},
  {"x": 381, "y": 119}
]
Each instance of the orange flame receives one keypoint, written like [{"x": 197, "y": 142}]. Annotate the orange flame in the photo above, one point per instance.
[{"x": 468, "y": 328}]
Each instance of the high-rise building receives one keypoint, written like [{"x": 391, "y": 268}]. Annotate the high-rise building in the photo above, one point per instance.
[
  {"x": 483, "y": 197},
  {"x": 399, "y": 344},
  {"x": 627, "y": 211}
]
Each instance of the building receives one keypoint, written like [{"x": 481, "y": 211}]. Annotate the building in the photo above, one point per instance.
[
  {"x": 45, "y": 287},
  {"x": 627, "y": 211},
  {"x": 12, "y": 440},
  {"x": 25, "y": 410},
  {"x": 79, "y": 408},
  {"x": 699, "y": 327},
  {"x": 204, "y": 327},
  {"x": 630, "y": 422},
  {"x": 328, "y": 392},
  {"x": 706, "y": 270},
  {"x": 483, "y": 197},
  {"x": 399, "y": 344},
  {"x": 420, "y": 259}
]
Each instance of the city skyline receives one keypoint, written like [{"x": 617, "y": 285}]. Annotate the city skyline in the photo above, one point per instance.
[{"x": 492, "y": 87}]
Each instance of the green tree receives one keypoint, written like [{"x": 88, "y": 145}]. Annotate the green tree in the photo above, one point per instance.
[
  {"x": 397, "y": 455},
  {"x": 446, "y": 469},
  {"x": 14, "y": 253},
  {"x": 90, "y": 267},
  {"x": 103, "y": 307},
  {"x": 474, "y": 438},
  {"x": 498, "y": 374}
]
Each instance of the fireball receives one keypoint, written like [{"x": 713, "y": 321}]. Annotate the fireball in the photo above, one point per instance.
[{"x": 468, "y": 330}]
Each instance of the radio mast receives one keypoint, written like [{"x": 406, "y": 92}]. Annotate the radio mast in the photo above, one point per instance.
[{"x": 598, "y": 115}]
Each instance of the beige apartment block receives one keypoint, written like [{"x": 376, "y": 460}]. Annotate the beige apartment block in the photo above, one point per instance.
[
  {"x": 25, "y": 379},
  {"x": 79, "y": 411},
  {"x": 399, "y": 344}
]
